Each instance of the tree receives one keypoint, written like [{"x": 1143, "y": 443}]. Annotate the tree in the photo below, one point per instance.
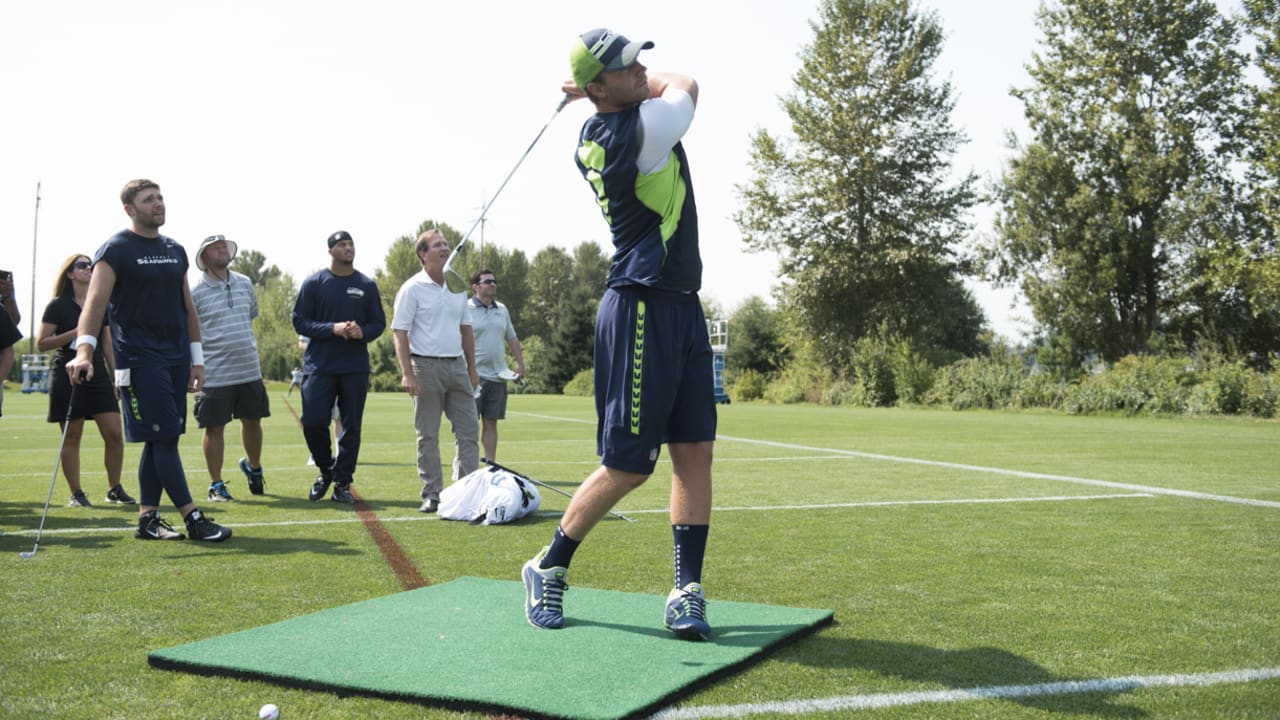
[
  {"x": 273, "y": 328},
  {"x": 252, "y": 264},
  {"x": 755, "y": 339},
  {"x": 550, "y": 280},
  {"x": 569, "y": 349},
  {"x": 861, "y": 204},
  {"x": 1134, "y": 108}
]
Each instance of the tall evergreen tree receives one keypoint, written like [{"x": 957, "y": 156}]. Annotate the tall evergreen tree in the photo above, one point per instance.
[{"x": 862, "y": 205}]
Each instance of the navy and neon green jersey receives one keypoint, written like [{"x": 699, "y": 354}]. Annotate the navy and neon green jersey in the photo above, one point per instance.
[{"x": 653, "y": 218}]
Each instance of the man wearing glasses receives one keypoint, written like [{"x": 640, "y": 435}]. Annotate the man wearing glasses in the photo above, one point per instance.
[
  {"x": 226, "y": 304},
  {"x": 435, "y": 348},
  {"x": 491, "y": 323}
]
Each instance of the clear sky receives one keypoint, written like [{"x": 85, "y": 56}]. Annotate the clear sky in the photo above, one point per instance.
[{"x": 277, "y": 122}]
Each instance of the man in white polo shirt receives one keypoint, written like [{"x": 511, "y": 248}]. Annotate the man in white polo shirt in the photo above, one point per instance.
[{"x": 436, "y": 351}]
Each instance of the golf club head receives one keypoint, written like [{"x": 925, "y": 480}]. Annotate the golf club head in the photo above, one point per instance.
[
  {"x": 455, "y": 282},
  {"x": 27, "y": 555}
]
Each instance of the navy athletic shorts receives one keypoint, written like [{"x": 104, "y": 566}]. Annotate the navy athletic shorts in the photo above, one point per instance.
[
  {"x": 653, "y": 376},
  {"x": 154, "y": 403}
]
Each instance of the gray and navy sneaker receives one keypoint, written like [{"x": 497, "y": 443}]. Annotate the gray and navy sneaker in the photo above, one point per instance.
[
  {"x": 118, "y": 496},
  {"x": 544, "y": 593},
  {"x": 256, "y": 483},
  {"x": 342, "y": 494},
  {"x": 204, "y": 528},
  {"x": 79, "y": 499},
  {"x": 321, "y": 486},
  {"x": 686, "y": 612},
  {"x": 151, "y": 527},
  {"x": 218, "y": 492}
]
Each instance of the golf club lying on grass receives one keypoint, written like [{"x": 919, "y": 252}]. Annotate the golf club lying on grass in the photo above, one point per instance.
[
  {"x": 455, "y": 282},
  {"x": 66, "y": 424},
  {"x": 539, "y": 483}
]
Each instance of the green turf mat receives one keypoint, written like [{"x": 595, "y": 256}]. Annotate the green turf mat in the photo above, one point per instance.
[{"x": 465, "y": 644}]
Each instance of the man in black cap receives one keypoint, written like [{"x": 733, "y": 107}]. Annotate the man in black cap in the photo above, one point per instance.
[
  {"x": 340, "y": 310},
  {"x": 653, "y": 378}
]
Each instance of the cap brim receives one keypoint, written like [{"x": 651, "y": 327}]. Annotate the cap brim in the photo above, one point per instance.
[{"x": 629, "y": 55}]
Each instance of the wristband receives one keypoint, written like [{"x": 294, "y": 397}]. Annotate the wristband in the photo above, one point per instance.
[
  {"x": 197, "y": 353},
  {"x": 90, "y": 340}
]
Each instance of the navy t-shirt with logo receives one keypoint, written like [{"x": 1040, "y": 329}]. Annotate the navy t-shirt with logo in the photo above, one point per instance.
[{"x": 147, "y": 314}]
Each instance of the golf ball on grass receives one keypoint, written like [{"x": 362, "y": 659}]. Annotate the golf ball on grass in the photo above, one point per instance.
[{"x": 269, "y": 712}]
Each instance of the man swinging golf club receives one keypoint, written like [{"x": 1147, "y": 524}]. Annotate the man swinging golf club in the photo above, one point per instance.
[{"x": 653, "y": 377}]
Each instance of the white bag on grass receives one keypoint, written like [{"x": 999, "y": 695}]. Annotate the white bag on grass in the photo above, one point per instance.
[{"x": 489, "y": 496}]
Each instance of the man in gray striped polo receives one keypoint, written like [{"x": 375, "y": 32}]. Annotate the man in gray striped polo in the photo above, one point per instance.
[{"x": 227, "y": 305}]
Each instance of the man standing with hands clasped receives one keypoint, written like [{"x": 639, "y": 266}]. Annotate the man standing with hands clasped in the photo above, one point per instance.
[
  {"x": 436, "y": 351},
  {"x": 142, "y": 276},
  {"x": 340, "y": 310},
  {"x": 653, "y": 379}
]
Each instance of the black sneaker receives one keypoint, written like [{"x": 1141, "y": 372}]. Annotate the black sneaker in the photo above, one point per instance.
[
  {"x": 218, "y": 492},
  {"x": 342, "y": 494},
  {"x": 204, "y": 528},
  {"x": 118, "y": 496},
  {"x": 321, "y": 486},
  {"x": 256, "y": 484},
  {"x": 151, "y": 527},
  {"x": 79, "y": 499}
]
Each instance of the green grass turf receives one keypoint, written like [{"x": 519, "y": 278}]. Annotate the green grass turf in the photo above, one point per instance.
[
  {"x": 458, "y": 644},
  {"x": 927, "y": 597}
]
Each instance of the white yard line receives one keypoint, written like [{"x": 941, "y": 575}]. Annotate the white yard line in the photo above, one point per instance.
[
  {"x": 345, "y": 520},
  {"x": 997, "y": 692},
  {"x": 1155, "y": 490}
]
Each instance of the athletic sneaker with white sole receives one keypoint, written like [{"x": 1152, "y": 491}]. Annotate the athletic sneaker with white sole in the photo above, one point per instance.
[
  {"x": 79, "y": 499},
  {"x": 118, "y": 496},
  {"x": 321, "y": 486},
  {"x": 686, "y": 612},
  {"x": 257, "y": 485},
  {"x": 218, "y": 492},
  {"x": 204, "y": 528},
  {"x": 342, "y": 494},
  {"x": 151, "y": 527},
  {"x": 544, "y": 593}
]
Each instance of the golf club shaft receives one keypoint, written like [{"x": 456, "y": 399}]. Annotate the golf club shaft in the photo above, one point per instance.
[
  {"x": 552, "y": 488},
  {"x": 53, "y": 479},
  {"x": 485, "y": 210}
]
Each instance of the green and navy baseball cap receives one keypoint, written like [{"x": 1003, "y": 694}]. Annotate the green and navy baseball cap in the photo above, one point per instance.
[{"x": 601, "y": 49}]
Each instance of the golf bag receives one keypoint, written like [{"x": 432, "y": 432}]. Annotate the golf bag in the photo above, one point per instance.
[{"x": 489, "y": 496}]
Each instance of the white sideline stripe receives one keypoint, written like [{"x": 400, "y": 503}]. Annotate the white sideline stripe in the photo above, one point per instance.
[
  {"x": 556, "y": 513},
  {"x": 885, "y": 700},
  {"x": 1016, "y": 473},
  {"x": 976, "y": 468}
]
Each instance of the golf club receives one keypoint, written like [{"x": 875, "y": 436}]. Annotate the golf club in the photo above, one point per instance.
[
  {"x": 496, "y": 466},
  {"x": 454, "y": 280},
  {"x": 53, "y": 479}
]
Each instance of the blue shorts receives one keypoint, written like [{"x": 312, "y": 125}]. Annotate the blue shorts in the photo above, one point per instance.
[
  {"x": 154, "y": 403},
  {"x": 654, "y": 382}
]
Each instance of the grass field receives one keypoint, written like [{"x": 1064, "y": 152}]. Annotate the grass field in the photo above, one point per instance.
[{"x": 1051, "y": 566}]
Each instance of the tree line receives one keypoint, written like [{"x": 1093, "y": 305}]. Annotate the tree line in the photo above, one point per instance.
[{"x": 1138, "y": 216}]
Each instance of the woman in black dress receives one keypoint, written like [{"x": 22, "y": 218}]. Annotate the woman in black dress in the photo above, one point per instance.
[{"x": 95, "y": 399}]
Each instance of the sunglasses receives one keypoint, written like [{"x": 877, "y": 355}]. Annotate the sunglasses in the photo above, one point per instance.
[
  {"x": 81, "y": 265},
  {"x": 490, "y": 281}
]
